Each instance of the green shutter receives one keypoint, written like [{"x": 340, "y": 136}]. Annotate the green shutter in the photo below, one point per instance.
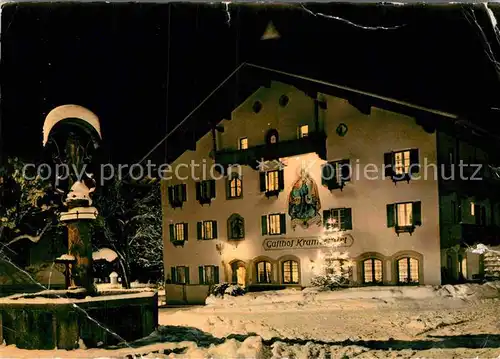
[
  {"x": 347, "y": 218},
  {"x": 390, "y": 215},
  {"x": 173, "y": 274},
  {"x": 198, "y": 191},
  {"x": 282, "y": 223},
  {"x": 414, "y": 162},
  {"x": 216, "y": 274},
  {"x": 281, "y": 180},
  {"x": 388, "y": 164},
  {"x": 201, "y": 279},
  {"x": 198, "y": 230},
  {"x": 186, "y": 271},
  {"x": 326, "y": 174},
  {"x": 326, "y": 216},
  {"x": 186, "y": 234},
  {"x": 264, "y": 225},
  {"x": 214, "y": 229},
  {"x": 345, "y": 170},
  {"x": 212, "y": 188},
  {"x": 262, "y": 178},
  {"x": 184, "y": 192},
  {"x": 170, "y": 195},
  {"x": 172, "y": 232},
  {"x": 417, "y": 213}
]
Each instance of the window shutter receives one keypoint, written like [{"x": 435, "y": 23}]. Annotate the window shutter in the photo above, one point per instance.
[
  {"x": 200, "y": 275},
  {"x": 414, "y": 162},
  {"x": 282, "y": 223},
  {"x": 172, "y": 233},
  {"x": 390, "y": 215},
  {"x": 263, "y": 186},
  {"x": 173, "y": 274},
  {"x": 216, "y": 274},
  {"x": 170, "y": 194},
  {"x": 198, "y": 230},
  {"x": 186, "y": 273},
  {"x": 281, "y": 179},
  {"x": 347, "y": 215},
  {"x": 345, "y": 170},
  {"x": 186, "y": 235},
  {"x": 326, "y": 173},
  {"x": 212, "y": 188},
  {"x": 184, "y": 192},
  {"x": 477, "y": 213},
  {"x": 326, "y": 216},
  {"x": 388, "y": 164},
  {"x": 417, "y": 213},
  {"x": 264, "y": 225},
  {"x": 198, "y": 191},
  {"x": 214, "y": 229}
]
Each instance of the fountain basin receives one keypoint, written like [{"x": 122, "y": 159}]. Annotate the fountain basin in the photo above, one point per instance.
[{"x": 50, "y": 319}]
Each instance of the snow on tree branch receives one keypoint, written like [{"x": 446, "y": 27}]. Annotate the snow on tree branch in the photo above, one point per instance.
[{"x": 350, "y": 22}]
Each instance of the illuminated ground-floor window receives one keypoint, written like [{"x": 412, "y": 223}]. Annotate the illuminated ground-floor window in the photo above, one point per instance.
[
  {"x": 372, "y": 271},
  {"x": 408, "y": 270},
  {"x": 290, "y": 272}
]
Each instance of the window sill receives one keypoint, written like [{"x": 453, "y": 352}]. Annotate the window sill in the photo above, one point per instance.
[
  {"x": 274, "y": 234},
  {"x": 236, "y": 239},
  {"x": 206, "y": 239},
  {"x": 229, "y": 198},
  {"x": 404, "y": 229},
  {"x": 178, "y": 243},
  {"x": 407, "y": 177},
  {"x": 335, "y": 185},
  {"x": 204, "y": 201},
  {"x": 274, "y": 193},
  {"x": 176, "y": 204}
]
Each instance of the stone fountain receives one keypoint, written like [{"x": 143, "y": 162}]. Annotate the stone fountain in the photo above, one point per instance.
[{"x": 80, "y": 314}]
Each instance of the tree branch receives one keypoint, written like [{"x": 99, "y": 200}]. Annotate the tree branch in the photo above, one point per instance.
[{"x": 33, "y": 239}]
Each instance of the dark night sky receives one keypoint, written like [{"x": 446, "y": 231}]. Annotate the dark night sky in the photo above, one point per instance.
[{"x": 115, "y": 59}]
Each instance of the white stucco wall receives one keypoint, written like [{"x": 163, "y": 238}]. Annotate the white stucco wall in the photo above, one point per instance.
[{"x": 368, "y": 138}]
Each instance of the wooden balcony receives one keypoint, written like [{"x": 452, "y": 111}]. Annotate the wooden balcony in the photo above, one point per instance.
[
  {"x": 315, "y": 142},
  {"x": 472, "y": 234},
  {"x": 470, "y": 180}
]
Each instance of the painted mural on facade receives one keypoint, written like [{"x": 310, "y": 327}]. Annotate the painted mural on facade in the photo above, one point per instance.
[{"x": 303, "y": 203}]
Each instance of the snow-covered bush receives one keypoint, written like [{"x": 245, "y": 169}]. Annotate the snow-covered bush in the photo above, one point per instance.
[{"x": 219, "y": 290}]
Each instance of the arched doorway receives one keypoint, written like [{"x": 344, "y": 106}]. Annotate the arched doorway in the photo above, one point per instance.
[{"x": 238, "y": 273}]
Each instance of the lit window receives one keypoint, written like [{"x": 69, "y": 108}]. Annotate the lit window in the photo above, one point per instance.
[
  {"x": 235, "y": 185},
  {"x": 290, "y": 272},
  {"x": 274, "y": 224},
  {"x": 303, "y": 131},
  {"x": 372, "y": 271},
  {"x": 404, "y": 214},
  {"x": 272, "y": 181},
  {"x": 472, "y": 209},
  {"x": 339, "y": 219},
  {"x": 207, "y": 230},
  {"x": 408, "y": 270},
  {"x": 264, "y": 272},
  {"x": 178, "y": 232},
  {"x": 243, "y": 143},
  {"x": 402, "y": 162}
]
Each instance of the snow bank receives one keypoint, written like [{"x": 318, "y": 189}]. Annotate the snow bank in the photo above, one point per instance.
[{"x": 316, "y": 295}]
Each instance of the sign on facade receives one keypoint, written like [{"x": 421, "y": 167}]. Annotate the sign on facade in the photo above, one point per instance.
[{"x": 270, "y": 244}]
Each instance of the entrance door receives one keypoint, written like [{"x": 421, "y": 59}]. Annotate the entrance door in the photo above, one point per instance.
[{"x": 239, "y": 273}]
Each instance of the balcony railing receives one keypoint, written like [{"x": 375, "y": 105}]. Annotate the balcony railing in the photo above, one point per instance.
[
  {"x": 314, "y": 142},
  {"x": 473, "y": 233},
  {"x": 474, "y": 180}
]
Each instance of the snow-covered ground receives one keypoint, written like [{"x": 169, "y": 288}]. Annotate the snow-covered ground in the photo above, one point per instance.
[{"x": 413, "y": 322}]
